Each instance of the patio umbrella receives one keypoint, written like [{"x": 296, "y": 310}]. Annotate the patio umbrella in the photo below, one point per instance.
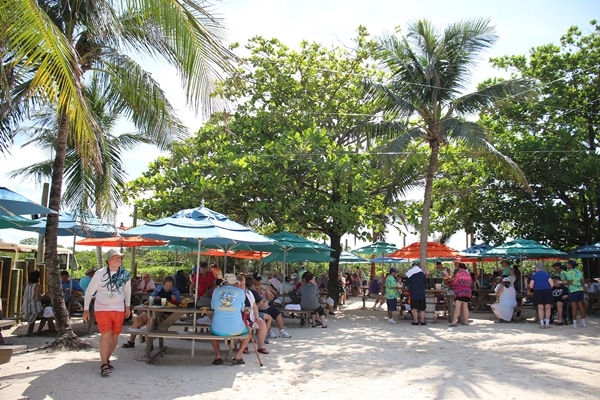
[
  {"x": 121, "y": 241},
  {"x": 388, "y": 260},
  {"x": 376, "y": 249},
  {"x": 12, "y": 203},
  {"x": 7, "y": 222},
  {"x": 289, "y": 247},
  {"x": 201, "y": 226},
  {"x": 524, "y": 248},
  {"x": 73, "y": 223},
  {"x": 587, "y": 251},
  {"x": 348, "y": 258},
  {"x": 435, "y": 251}
]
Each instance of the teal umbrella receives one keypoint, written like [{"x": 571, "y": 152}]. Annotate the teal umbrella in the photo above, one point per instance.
[
  {"x": 12, "y": 203},
  {"x": 7, "y": 222},
  {"x": 289, "y": 247},
  {"x": 524, "y": 248},
  {"x": 376, "y": 248}
]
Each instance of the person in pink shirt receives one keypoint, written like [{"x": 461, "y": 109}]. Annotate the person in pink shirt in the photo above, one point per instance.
[{"x": 462, "y": 284}]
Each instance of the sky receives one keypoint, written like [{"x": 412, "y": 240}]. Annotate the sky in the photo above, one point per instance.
[{"x": 520, "y": 25}]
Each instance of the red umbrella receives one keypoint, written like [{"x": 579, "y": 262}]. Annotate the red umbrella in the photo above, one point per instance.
[
  {"x": 434, "y": 250},
  {"x": 119, "y": 241}
]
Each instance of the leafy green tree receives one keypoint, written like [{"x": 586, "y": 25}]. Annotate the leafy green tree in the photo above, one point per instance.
[
  {"x": 554, "y": 137},
  {"x": 292, "y": 155},
  {"x": 429, "y": 72},
  {"x": 49, "y": 45}
]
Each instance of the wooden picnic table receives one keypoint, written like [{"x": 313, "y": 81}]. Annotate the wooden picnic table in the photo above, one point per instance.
[{"x": 162, "y": 319}]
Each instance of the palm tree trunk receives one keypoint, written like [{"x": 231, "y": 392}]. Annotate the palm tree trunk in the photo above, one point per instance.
[
  {"x": 427, "y": 201},
  {"x": 66, "y": 339}
]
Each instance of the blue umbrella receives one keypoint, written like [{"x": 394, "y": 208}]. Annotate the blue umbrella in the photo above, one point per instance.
[
  {"x": 72, "y": 223},
  {"x": 477, "y": 250},
  {"x": 587, "y": 251},
  {"x": 388, "y": 260},
  {"x": 348, "y": 258},
  {"x": 12, "y": 203},
  {"x": 202, "y": 226}
]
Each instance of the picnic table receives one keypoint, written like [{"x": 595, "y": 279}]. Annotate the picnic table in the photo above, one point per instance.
[{"x": 162, "y": 319}]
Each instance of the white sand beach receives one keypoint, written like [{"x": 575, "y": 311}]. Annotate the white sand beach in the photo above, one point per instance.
[{"x": 359, "y": 355}]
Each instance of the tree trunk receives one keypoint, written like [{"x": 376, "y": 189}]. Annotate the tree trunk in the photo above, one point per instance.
[
  {"x": 333, "y": 287},
  {"x": 427, "y": 201},
  {"x": 67, "y": 339}
]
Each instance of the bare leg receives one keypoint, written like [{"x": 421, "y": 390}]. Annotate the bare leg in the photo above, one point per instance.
[
  {"x": 457, "y": 310},
  {"x": 465, "y": 313},
  {"x": 106, "y": 346},
  {"x": 217, "y": 349},
  {"x": 279, "y": 322},
  {"x": 323, "y": 322},
  {"x": 261, "y": 333}
]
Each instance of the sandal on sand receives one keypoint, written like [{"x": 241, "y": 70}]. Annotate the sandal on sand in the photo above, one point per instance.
[
  {"x": 314, "y": 326},
  {"x": 414, "y": 323},
  {"x": 453, "y": 325},
  {"x": 105, "y": 370},
  {"x": 324, "y": 326},
  {"x": 217, "y": 361},
  {"x": 263, "y": 351},
  {"x": 128, "y": 345},
  {"x": 237, "y": 361},
  {"x": 246, "y": 351}
]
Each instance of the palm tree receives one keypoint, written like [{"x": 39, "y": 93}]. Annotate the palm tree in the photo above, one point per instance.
[
  {"x": 429, "y": 73},
  {"x": 56, "y": 42}
]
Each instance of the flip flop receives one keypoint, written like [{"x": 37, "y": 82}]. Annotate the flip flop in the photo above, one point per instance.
[
  {"x": 217, "y": 361},
  {"x": 263, "y": 351}
]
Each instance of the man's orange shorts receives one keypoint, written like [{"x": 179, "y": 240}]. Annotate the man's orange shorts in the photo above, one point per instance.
[{"x": 110, "y": 321}]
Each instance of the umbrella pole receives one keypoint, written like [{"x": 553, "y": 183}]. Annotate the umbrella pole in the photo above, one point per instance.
[{"x": 197, "y": 270}]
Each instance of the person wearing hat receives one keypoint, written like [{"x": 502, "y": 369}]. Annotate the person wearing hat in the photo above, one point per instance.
[
  {"x": 228, "y": 303},
  {"x": 391, "y": 294},
  {"x": 85, "y": 281},
  {"x": 541, "y": 284},
  {"x": 506, "y": 302},
  {"x": 574, "y": 281},
  {"x": 111, "y": 286},
  {"x": 559, "y": 269}
]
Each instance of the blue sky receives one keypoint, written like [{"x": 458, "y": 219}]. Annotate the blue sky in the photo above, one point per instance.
[{"x": 520, "y": 25}]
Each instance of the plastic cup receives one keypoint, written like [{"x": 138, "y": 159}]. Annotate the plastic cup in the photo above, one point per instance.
[
  {"x": 163, "y": 302},
  {"x": 150, "y": 300}
]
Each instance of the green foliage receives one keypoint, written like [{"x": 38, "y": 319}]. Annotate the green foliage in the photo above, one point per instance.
[{"x": 554, "y": 138}]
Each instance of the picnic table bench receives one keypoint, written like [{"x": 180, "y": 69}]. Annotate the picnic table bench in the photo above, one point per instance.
[{"x": 160, "y": 319}]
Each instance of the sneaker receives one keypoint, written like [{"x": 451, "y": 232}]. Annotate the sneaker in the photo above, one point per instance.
[
  {"x": 583, "y": 325},
  {"x": 542, "y": 326},
  {"x": 574, "y": 324},
  {"x": 284, "y": 334},
  {"x": 392, "y": 321},
  {"x": 266, "y": 340},
  {"x": 271, "y": 334}
]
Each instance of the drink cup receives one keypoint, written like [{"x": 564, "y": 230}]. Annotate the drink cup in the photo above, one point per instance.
[
  {"x": 163, "y": 302},
  {"x": 150, "y": 300}
]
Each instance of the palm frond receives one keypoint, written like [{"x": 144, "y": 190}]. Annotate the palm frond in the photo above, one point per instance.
[
  {"x": 473, "y": 136},
  {"x": 488, "y": 96}
]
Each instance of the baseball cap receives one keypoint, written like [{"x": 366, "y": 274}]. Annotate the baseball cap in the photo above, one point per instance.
[
  {"x": 393, "y": 270},
  {"x": 505, "y": 280},
  {"x": 111, "y": 253},
  {"x": 256, "y": 276},
  {"x": 572, "y": 262}
]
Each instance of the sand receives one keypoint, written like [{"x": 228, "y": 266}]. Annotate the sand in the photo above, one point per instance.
[{"x": 358, "y": 356}]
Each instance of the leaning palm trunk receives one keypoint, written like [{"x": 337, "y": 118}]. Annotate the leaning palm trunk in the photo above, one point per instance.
[{"x": 66, "y": 337}]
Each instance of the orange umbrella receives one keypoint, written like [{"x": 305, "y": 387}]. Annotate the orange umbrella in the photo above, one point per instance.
[
  {"x": 249, "y": 254},
  {"x": 434, "y": 250},
  {"x": 119, "y": 241}
]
